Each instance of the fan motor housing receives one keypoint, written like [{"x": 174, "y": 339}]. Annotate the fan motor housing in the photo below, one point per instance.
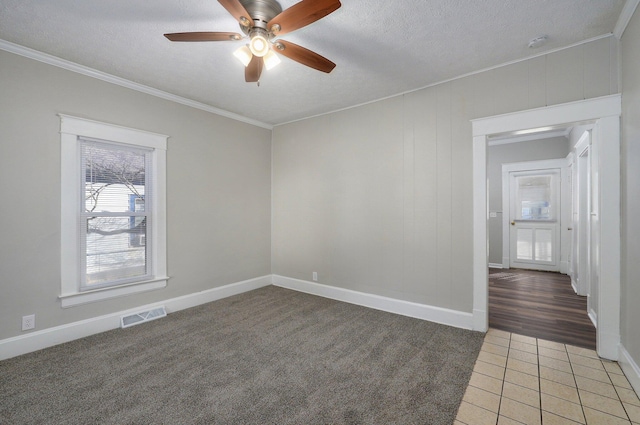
[{"x": 261, "y": 11}]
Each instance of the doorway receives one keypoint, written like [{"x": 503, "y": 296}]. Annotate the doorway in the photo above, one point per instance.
[
  {"x": 532, "y": 175},
  {"x": 604, "y": 113}
]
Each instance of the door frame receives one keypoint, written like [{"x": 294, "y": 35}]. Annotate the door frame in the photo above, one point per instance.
[
  {"x": 580, "y": 222},
  {"x": 556, "y": 164},
  {"x": 605, "y": 111}
]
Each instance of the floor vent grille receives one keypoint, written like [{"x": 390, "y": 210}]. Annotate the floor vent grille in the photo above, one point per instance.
[{"x": 142, "y": 316}]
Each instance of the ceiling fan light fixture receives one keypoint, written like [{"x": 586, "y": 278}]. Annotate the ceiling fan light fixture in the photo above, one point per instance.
[
  {"x": 262, "y": 21},
  {"x": 244, "y": 55},
  {"x": 271, "y": 60},
  {"x": 259, "y": 44}
]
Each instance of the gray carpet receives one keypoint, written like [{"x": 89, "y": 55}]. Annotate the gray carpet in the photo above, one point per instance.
[{"x": 270, "y": 356}]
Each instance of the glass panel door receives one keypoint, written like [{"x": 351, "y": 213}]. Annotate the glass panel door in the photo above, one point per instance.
[{"x": 534, "y": 212}]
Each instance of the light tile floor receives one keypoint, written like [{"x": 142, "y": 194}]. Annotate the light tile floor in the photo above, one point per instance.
[{"x": 522, "y": 380}]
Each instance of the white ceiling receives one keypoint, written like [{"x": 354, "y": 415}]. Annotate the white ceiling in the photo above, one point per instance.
[{"x": 381, "y": 48}]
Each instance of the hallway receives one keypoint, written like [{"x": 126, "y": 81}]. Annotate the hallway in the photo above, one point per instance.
[{"x": 541, "y": 305}]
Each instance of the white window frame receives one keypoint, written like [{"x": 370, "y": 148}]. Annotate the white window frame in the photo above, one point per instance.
[{"x": 71, "y": 128}]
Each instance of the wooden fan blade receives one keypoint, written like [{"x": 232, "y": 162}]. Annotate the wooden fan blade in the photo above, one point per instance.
[
  {"x": 237, "y": 10},
  {"x": 253, "y": 70},
  {"x": 302, "y": 14},
  {"x": 203, "y": 36},
  {"x": 304, "y": 56}
]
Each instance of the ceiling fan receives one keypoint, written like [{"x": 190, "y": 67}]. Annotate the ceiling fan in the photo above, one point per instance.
[{"x": 262, "y": 21}]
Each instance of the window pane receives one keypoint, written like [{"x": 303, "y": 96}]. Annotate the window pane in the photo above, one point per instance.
[
  {"x": 114, "y": 178},
  {"x": 534, "y": 197},
  {"x": 114, "y": 211},
  {"x": 544, "y": 245},
  {"x": 524, "y": 244},
  {"x": 116, "y": 248}
]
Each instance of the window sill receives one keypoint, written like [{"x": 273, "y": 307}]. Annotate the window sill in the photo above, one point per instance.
[{"x": 80, "y": 298}]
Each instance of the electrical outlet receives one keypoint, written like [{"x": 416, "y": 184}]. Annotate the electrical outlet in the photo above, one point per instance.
[
  {"x": 315, "y": 276},
  {"x": 28, "y": 322}
]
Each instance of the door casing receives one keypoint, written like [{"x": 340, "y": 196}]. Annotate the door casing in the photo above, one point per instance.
[{"x": 605, "y": 113}]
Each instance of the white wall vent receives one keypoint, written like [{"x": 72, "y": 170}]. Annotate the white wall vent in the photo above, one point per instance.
[{"x": 142, "y": 316}]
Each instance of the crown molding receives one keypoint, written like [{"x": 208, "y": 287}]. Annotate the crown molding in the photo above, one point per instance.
[
  {"x": 459, "y": 77},
  {"x": 624, "y": 18},
  {"x": 93, "y": 73}
]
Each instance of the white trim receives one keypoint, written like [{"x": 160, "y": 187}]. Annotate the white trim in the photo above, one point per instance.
[
  {"x": 608, "y": 147},
  {"x": 38, "y": 340},
  {"x": 79, "y": 298},
  {"x": 111, "y": 132},
  {"x": 480, "y": 236},
  {"x": 542, "y": 164},
  {"x": 630, "y": 368},
  {"x": 583, "y": 142},
  {"x": 495, "y": 266},
  {"x": 624, "y": 18},
  {"x": 593, "y": 317},
  {"x": 70, "y": 129},
  {"x": 564, "y": 265},
  {"x": 582, "y": 201},
  {"x": 562, "y": 114},
  {"x": 529, "y": 137},
  {"x": 607, "y": 343},
  {"x": 604, "y": 110},
  {"x": 566, "y": 216},
  {"x": 405, "y": 308},
  {"x": 99, "y": 75}
]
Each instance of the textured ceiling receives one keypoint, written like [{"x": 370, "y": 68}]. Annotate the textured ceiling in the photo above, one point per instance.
[{"x": 381, "y": 48}]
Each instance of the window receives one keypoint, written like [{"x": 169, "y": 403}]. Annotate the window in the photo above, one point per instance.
[
  {"x": 113, "y": 231},
  {"x": 113, "y": 220}
]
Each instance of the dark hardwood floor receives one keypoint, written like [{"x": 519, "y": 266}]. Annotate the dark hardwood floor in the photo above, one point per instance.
[{"x": 541, "y": 305}]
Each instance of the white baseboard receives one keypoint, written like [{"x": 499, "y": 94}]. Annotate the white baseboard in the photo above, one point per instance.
[
  {"x": 38, "y": 340},
  {"x": 574, "y": 285},
  {"x": 594, "y": 318},
  {"x": 405, "y": 308},
  {"x": 630, "y": 368},
  {"x": 607, "y": 345},
  {"x": 495, "y": 265},
  {"x": 480, "y": 320}
]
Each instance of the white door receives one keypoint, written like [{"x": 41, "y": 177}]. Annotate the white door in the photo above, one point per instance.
[{"x": 535, "y": 219}]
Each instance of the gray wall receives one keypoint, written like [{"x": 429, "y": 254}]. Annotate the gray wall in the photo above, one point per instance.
[
  {"x": 515, "y": 152},
  {"x": 630, "y": 314},
  {"x": 379, "y": 198},
  {"x": 218, "y": 190},
  {"x": 376, "y": 198}
]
